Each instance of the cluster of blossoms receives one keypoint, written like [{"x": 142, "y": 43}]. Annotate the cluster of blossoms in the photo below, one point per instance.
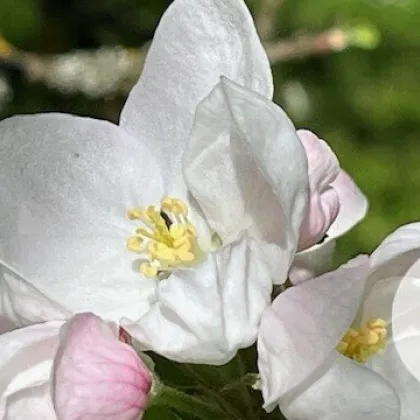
[{"x": 170, "y": 233}]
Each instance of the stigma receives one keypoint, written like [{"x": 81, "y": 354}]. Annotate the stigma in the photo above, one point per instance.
[
  {"x": 166, "y": 241},
  {"x": 360, "y": 344}
]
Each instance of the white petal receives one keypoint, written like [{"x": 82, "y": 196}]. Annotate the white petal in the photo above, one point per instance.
[
  {"x": 247, "y": 169},
  {"x": 22, "y": 304},
  {"x": 405, "y": 238},
  {"x": 313, "y": 261},
  {"x": 206, "y": 314},
  {"x": 26, "y": 357},
  {"x": 393, "y": 284},
  {"x": 393, "y": 294},
  {"x": 391, "y": 367},
  {"x": 345, "y": 391},
  {"x": 303, "y": 326},
  {"x": 196, "y": 42},
  {"x": 65, "y": 185},
  {"x": 353, "y": 205}
]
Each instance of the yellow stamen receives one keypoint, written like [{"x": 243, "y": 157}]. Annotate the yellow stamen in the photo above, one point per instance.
[
  {"x": 168, "y": 240},
  {"x": 133, "y": 214},
  {"x": 362, "y": 343},
  {"x": 148, "y": 270},
  {"x": 174, "y": 205},
  {"x": 134, "y": 244}
]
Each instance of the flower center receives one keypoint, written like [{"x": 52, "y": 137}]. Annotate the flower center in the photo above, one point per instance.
[
  {"x": 168, "y": 240},
  {"x": 362, "y": 343}
]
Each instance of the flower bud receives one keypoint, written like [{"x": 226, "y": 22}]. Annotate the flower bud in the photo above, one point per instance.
[{"x": 96, "y": 375}]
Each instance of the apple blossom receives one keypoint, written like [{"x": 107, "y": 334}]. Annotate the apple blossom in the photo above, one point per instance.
[
  {"x": 335, "y": 205},
  {"x": 73, "y": 370},
  {"x": 180, "y": 218},
  {"x": 333, "y": 347}
]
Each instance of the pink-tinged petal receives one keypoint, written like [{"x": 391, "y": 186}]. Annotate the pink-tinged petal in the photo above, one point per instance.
[
  {"x": 299, "y": 332},
  {"x": 324, "y": 204},
  {"x": 97, "y": 377},
  {"x": 343, "y": 390},
  {"x": 336, "y": 204},
  {"x": 323, "y": 165},
  {"x": 353, "y": 205},
  {"x": 322, "y": 211}
]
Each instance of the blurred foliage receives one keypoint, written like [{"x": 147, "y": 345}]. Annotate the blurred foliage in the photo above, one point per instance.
[{"x": 365, "y": 103}]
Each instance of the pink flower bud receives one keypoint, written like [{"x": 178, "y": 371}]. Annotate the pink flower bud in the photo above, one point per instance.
[
  {"x": 96, "y": 376},
  {"x": 324, "y": 203}
]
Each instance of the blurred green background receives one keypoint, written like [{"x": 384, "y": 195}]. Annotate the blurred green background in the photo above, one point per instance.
[{"x": 364, "y": 102}]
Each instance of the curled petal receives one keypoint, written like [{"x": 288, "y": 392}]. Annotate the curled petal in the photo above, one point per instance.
[
  {"x": 96, "y": 376},
  {"x": 247, "y": 169},
  {"x": 344, "y": 206},
  {"x": 206, "y": 314},
  {"x": 324, "y": 204},
  {"x": 322, "y": 211},
  {"x": 323, "y": 165},
  {"x": 196, "y": 42},
  {"x": 353, "y": 205}
]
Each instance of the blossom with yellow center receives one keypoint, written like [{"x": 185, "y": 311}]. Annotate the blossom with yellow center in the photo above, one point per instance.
[
  {"x": 169, "y": 242},
  {"x": 66, "y": 181},
  {"x": 362, "y": 343}
]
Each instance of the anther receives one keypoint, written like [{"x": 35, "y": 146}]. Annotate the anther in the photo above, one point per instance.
[
  {"x": 167, "y": 241},
  {"x": 360, "y": 344}
]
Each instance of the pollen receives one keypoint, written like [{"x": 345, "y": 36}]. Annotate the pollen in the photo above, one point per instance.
[
  {"x": 167, "y": 240},
  {"x": 360, "y": 344}
]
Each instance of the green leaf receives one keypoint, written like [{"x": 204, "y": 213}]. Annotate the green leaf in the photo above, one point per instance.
[
  {"x": 190, "y": 406},
  {"x": 163, "y": 413}
]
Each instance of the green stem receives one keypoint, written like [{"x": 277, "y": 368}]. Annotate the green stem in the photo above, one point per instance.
[
  {"x": 228, "y": 408},
  {"x": 246, "y": 397},
  {"x": 210, "y": 392},
  {"x": 248, "y": 380},
  {"x": 187, "y": 404}
]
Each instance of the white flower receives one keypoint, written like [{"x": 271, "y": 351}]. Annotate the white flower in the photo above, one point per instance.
[
  {"x": 336, "y": 205},
  {"x": 307, "y": 327},
  {"x": 232, "y": 170}
]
